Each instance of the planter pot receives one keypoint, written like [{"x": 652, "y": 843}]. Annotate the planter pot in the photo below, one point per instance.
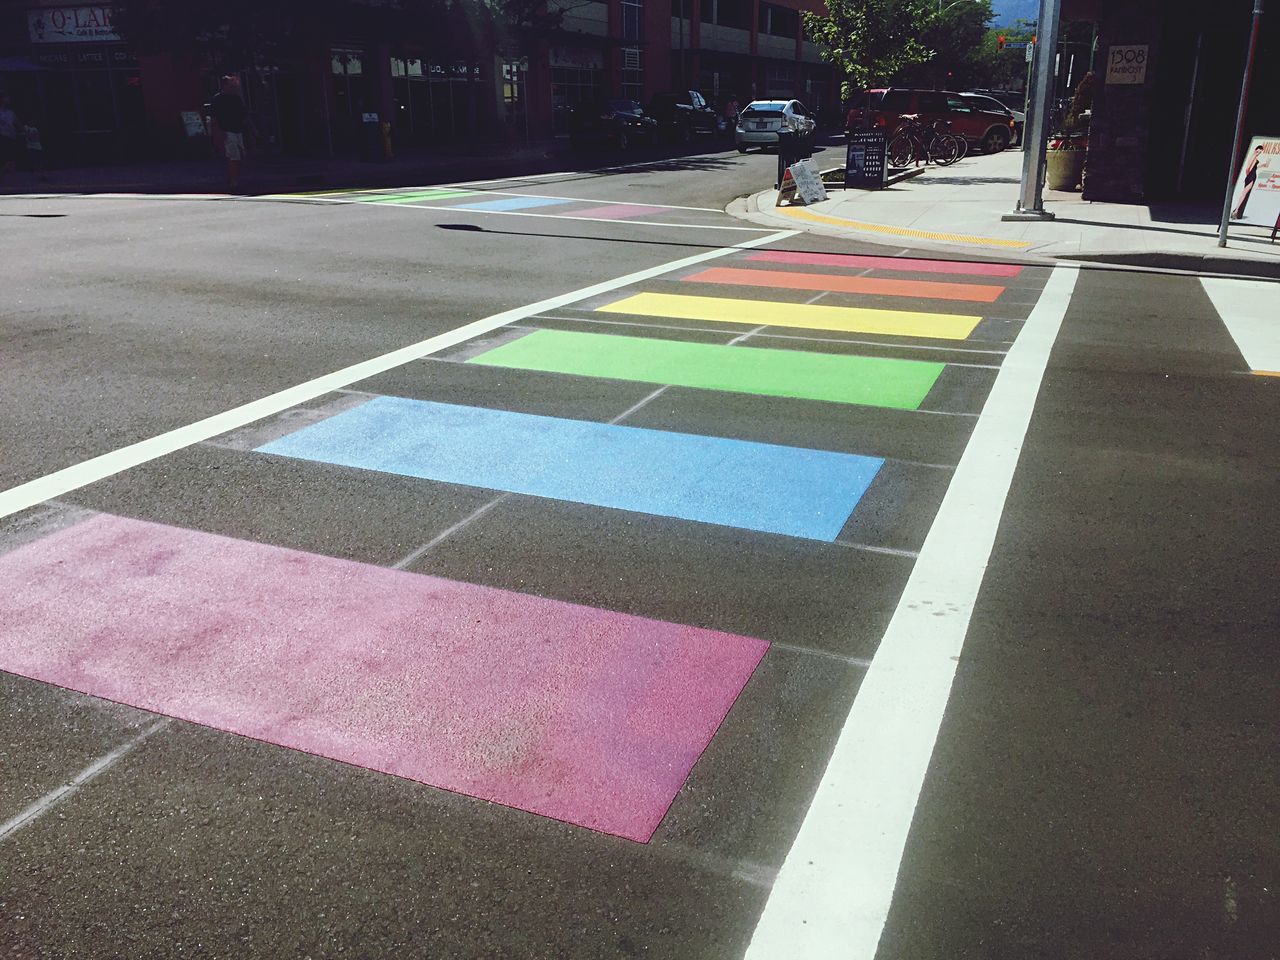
[{"x": 1064, "y": 169}]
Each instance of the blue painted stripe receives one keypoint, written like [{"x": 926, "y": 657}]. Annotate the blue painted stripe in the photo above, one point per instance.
[
  {"x": 511, "y": 203},
  {"x": 736, "y": 483}
]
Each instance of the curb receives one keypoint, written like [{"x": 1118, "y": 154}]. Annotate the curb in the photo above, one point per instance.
[{"x": 759, "y": 208}]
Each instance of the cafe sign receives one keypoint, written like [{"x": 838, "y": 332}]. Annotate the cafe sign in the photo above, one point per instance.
[{"x": 70, "y": 24}]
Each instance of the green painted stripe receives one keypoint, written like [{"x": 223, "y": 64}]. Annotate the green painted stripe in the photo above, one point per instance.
[
  {"x": 871, "y": 381},
  {"x": 421, "y": 195}
]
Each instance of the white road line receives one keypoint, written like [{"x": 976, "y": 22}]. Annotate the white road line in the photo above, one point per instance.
[
  {"x": 54, "y": 797},
  {"x": 1248, "y": 310},
  {"x": 362, "y": 196},
  {"x": 834, "y": 891},
  {"x": 108, "y": 464},
  {"x": 593, "y": 173},
  {"x": 554, "y": 216}
]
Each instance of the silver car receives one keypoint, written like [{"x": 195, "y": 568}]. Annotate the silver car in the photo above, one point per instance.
[{"x": 759, "y": 123}]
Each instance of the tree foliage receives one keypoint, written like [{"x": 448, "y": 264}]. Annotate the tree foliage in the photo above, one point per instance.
[
  {"x": 871, "y": 41},
  {"x": 955, "y": 36}
]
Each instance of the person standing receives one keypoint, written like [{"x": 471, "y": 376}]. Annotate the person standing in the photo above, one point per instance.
[
  {"x": 229, "y": 120},
  {"x": 8, "y": 137},
  {"x": 731, "y": 113}
]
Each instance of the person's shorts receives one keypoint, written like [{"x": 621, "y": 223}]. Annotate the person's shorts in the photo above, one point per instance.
[{"x": 233, "y": 145}]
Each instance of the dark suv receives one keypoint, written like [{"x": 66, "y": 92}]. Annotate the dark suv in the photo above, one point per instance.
[
  {"x": 682, "y": 114},
  {"x": 993, "y": 130}
]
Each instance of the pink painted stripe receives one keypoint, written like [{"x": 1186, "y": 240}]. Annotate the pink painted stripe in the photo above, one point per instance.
[
  {"x": 584, "y": 715},
  {"x": 617, "y": 211},
  {"x": 904, "y": 264}
]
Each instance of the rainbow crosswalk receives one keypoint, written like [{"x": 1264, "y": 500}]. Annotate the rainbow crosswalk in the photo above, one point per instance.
[
  {"x": 591, "y": 716},
  {"x": 505, "y": 202}
]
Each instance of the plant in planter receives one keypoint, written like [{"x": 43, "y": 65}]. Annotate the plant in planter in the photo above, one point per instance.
[{"x": 1068, "y": 147}]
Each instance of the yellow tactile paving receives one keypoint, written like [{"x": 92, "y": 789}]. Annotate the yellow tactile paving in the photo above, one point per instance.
[
  {"x": 800, "y": 214},
  {"x": 899, "y": 323}
]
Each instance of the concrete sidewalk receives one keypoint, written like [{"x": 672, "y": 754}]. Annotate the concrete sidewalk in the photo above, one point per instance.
[{"x": 960, "y": 208}]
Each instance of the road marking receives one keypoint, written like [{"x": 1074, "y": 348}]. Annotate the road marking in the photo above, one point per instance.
[
  {"x": 799, "y": 338},
  {"x": 903, "y": 231},
  {"x": 789, "y": 490},
  {"x": 834, "y": 891},
  {"x": 565, "y": 216},
  {"x": 618, "y": 211},
  {"x": 830, "y": 283},
  {"x": 124, "y": 458},
  {"x": 837, "y": 378},
  {"x": 357, "y": 196},
  {"x": 586, "y": 715},
  {"x": 1248, "y": 310},
  {"x": 421, "y": 195},
  {"x": 54, "y": 797},
  {"x": 902, "y": 264},
  {"x": 509, "y": 203},
  {"x": 776, "y": 313}
]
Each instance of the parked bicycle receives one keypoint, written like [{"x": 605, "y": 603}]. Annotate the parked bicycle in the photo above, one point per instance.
[{"x": 913, "y": 141}]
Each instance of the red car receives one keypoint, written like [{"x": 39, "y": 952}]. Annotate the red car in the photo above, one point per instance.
[{"x": 992, "y": 130}]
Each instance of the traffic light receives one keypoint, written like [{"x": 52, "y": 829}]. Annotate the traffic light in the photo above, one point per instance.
[{"x": 1001, "y": 43}]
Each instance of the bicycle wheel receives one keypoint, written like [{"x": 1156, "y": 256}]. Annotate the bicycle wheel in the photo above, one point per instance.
[
  {"x": 902, "y": 150},
  {"x": 943, "y": 150},
  {"x": 964, "y": 145}
]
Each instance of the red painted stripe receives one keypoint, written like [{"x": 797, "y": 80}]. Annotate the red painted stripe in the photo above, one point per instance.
[
  {"x": 929, "y": 289},
  {"x": 617, "y": 211},
  {"x": 904, "y": 264},
  {"x": 584, "y": 715}
]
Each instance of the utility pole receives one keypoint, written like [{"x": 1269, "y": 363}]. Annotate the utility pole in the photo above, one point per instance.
[
  {"x": 1039, "y": 109},
  {"x": 1240, "y": 115}
]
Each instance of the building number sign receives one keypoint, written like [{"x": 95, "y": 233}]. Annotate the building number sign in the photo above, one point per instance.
[{"x": 1127, "y": 64}]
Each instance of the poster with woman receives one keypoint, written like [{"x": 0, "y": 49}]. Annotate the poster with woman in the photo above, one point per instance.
[{"x": 1256, "y": 198}]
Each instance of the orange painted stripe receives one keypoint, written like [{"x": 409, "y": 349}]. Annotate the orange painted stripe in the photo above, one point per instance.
[
  {"x": 928, "y": 289},
  {"x": 1266, "y": 373}
]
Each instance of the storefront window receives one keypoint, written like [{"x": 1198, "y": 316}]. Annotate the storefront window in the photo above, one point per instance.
[{"x": 571, "y": 87}]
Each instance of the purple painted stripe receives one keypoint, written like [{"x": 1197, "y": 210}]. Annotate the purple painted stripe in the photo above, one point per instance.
[
  {"x": 584, "y": 715},
  {"x": 618, "y": 211}
]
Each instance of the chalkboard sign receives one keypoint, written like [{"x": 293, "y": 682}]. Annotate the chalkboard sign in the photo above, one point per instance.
[{"x": 864, "y": 164}]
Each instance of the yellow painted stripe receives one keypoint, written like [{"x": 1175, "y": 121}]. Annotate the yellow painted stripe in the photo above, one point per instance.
[
  {"x": 801, "y": 214},
  {"x": 1266, "y": 373},
  {"x": 897, "y": 323}
]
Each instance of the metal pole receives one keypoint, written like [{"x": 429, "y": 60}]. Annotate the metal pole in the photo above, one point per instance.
[
  {"x": 1240, "y": 115},
  {"x": 1186, "y": 116},
  {"x": 1040, "y": 103}
]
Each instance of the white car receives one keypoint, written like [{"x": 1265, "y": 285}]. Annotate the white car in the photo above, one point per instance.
[{"x": 759, "y": 123}]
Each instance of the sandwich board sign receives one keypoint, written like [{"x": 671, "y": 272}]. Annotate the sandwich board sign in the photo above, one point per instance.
[
  {"x": 808, "y": 180},
  {"x": 864, "y": 164}
]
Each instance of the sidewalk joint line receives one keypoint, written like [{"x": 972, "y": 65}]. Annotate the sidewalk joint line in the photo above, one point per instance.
[
  {"x": 447, "y": 532},
  {"x": 55, "y": 797}
]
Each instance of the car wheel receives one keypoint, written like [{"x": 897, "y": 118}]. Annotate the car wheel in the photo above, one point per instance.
[
  {"x": 742, "y": 149},
  {"x": 995, "y": 140}
]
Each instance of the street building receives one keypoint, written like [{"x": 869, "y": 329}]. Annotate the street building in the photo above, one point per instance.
[
  {"x": 1167, "y": 80},
  {"x": 100, "y": 92}
]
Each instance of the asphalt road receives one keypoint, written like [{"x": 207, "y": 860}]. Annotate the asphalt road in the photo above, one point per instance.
[{"x": 536, "y": 640}]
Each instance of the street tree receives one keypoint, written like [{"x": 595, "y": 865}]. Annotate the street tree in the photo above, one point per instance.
[
  {"x": 871, "y": 41},
  {"x": 955, "y": 37}
]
